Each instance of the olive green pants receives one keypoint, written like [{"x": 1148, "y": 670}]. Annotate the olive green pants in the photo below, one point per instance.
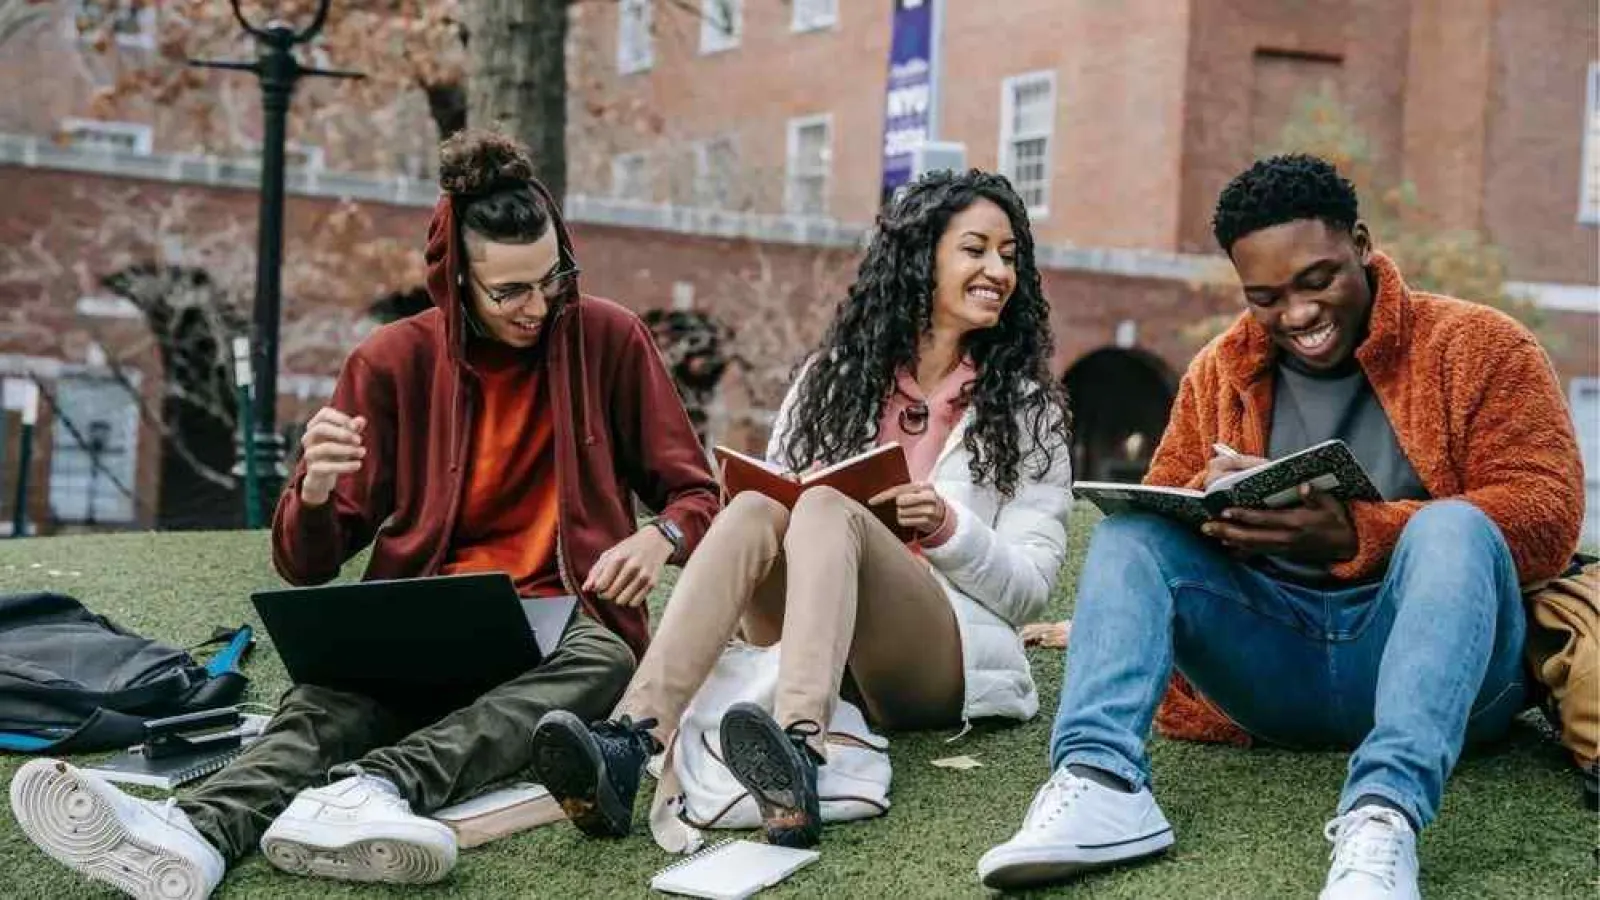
[{"x": 433, "y": 760}]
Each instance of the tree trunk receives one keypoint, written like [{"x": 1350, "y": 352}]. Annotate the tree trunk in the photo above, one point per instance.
[
  {"x": 517, "y": 78},
  {"x": 447, "y": 104}
]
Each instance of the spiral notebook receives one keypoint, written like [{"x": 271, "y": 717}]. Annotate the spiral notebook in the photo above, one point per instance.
[
  {"x": 132, "y": 766},
  {"x": 731, "y": 870},
  {"x": 165, "y": 772}
]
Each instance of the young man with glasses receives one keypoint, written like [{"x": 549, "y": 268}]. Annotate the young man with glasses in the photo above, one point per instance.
[{"x": 506, "y": 430}]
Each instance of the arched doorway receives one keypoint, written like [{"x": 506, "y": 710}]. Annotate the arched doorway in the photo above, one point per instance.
[{"x": 1120, "y": 400}]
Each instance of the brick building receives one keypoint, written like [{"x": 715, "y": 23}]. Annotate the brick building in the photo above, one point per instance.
[{"x": 744, "y": 168}]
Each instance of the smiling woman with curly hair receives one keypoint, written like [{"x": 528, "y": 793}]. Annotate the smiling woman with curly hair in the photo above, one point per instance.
[
  {"x": 888, "y": 322},
  {"x": 941, "y": 346}
]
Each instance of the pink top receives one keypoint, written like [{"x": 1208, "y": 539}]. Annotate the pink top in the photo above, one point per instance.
[{"x": 940, "y": 411}]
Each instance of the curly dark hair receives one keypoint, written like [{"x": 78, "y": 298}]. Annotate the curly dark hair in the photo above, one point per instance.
[
  {"x": 1283, "y": 189},
  {"x": 489, "y": 175},
  {"x": 878, "y": 325}
]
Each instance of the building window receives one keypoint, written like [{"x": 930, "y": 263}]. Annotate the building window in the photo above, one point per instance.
[
  {"x": 1589, "y": 199},
  {"x": 810, "y": 158},
  {"x": 721, "y": 24},
  {"x": 716, "y": 167},
  {"x": 132, "y": 24},
  {"x": 635, "y": 37},
  {"x": 810, "y": 15},
  {"x": 1584, "y": 399},
  {"x": 630, "y": 177},
  {"x": 119, "y": 137},
  {"x": 1027, "y": 115},
  {"x": 308, "y": 157},
  {"x": 94, "y": 435}
]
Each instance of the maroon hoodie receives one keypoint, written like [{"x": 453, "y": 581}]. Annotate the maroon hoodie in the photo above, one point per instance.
[{"x": 620, "y": 429}]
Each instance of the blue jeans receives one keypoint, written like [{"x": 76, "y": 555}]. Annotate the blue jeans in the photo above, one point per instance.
[{"x": 1405, "y": 670}]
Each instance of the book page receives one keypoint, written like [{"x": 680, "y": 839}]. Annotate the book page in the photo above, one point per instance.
[
  {"x": 1182, "y": 504},
  {"x": 727, "y": 452}
]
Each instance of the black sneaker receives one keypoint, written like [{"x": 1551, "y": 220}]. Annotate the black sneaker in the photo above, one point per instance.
[
  {"x": 593, "y": 771},
  {"x": 778, "y": 769}
]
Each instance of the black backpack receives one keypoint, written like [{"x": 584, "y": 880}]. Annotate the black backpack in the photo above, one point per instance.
[{"x": 73, "y": 681}]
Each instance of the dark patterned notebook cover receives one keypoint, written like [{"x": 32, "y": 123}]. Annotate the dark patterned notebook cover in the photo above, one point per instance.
[{"x": 1329, "y": 466}]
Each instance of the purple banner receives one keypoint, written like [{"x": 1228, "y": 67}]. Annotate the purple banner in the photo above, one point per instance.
[{"x": 909, "y": 99}]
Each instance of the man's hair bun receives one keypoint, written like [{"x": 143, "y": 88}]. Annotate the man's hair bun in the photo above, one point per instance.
[{"x": 475, "y": 162}]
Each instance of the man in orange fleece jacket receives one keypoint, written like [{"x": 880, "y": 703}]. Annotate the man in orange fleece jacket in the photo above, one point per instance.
[{"x": 1393, "y": 627}]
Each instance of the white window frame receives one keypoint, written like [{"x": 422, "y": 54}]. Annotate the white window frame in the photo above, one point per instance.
[
  {"x": 143, "y": 135},
  {"x": 1588, "y": 188},
  {"x": 714, "y": 37},
  {"x": 706, "y": 181},
  {"x": 143, "y": 39},
  {"x": 814, "y": 15},
  {"x": 64, "y": 484},
  {"x": 619, "y": 164},
  {"x": 790, "y": 195},
  {"x": 1008, "y": 137},
  {"x": 313, "y": 159},
  {"x": 636, "y": 50}
]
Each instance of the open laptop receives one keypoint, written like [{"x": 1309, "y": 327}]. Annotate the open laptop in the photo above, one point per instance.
[{"x": 438, "y": 641}]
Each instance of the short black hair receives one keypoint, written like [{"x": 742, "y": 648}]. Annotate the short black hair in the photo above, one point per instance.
[{"x": 1283, "y": 189}]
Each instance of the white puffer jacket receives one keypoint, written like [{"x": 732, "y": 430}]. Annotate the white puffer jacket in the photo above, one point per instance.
[{"x": 998, "y": 569}]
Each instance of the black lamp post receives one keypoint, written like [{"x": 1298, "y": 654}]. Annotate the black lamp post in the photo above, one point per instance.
[{"x": 278, "y": 71}]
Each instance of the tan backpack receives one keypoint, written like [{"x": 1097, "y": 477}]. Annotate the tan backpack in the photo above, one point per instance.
[{"x": 1563, "y": 652}]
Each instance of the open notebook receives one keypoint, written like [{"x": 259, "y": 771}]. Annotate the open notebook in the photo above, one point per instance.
[
  {"x": 1329, "y": 467},
  {"x": 731, "y": 870},
  {"x": 861, "y": 477}
]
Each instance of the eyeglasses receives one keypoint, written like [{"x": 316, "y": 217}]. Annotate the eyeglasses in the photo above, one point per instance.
[{"x": 551, "y": 287}]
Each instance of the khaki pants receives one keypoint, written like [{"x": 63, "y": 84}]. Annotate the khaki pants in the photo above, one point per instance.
[{"x": 837, "y": 588}]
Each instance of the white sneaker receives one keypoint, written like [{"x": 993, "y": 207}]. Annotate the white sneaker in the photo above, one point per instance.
[
  {"x": 145, "y": 848},
  {"x": 358, "y": 829},
  {"x": 1075, "y": 825},
  {"x": 1374, "y": 856}
]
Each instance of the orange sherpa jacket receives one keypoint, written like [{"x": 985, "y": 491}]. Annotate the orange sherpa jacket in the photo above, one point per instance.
[{"x": 1474, "y": 403}]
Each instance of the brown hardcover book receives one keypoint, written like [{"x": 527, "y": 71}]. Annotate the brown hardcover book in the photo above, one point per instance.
[
  {"x": 860, "y": 478},
  {"x": 499, "y": 813}
]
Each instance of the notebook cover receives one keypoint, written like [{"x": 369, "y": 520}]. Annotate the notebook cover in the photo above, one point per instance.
[
  {"x": 500, "y": 813},
  {"x": 731, "y": 870},
  {"x": 742, "y": 473},
  {"x": 167, "y": 772}
]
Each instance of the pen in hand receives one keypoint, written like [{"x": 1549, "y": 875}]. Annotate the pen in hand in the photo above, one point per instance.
[{"x": 1222, "y": 449}]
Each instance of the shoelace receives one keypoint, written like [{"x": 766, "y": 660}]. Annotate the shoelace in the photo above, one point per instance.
[
  {"x": 797, "y": 732},
  {"x": 1057, "y": 795},
  {"x": 626, "y": 729},
  {"x": 1366, "y": 841}
]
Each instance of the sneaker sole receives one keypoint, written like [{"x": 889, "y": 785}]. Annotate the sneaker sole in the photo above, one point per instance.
[
  {"x": 421, "y": 858},
  {"x": 1031, "y": 866},
  {"x": 72, "y": 819},
  {"x": 572, "y": 769},
  {"x": 767, "y": 764}
]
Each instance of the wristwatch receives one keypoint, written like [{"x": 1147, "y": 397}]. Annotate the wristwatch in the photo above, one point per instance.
[{"x": 674, "y": 535}]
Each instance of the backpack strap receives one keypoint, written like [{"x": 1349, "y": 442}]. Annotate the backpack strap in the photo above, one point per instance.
[
  {"x": 104, "y": 729},
  {"x": 239, "y": 642}
]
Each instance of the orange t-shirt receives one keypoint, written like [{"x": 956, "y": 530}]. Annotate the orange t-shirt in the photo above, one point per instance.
[{"x": 508, "y": 516}]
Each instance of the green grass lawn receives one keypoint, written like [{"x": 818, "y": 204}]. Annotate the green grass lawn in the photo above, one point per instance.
[{"x": 1249, "y": 823}]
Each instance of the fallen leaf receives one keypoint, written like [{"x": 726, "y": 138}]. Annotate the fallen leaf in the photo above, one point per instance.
[
  {"x": 1052, "y": 635},
  {"x": 959, "y": 763}
]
